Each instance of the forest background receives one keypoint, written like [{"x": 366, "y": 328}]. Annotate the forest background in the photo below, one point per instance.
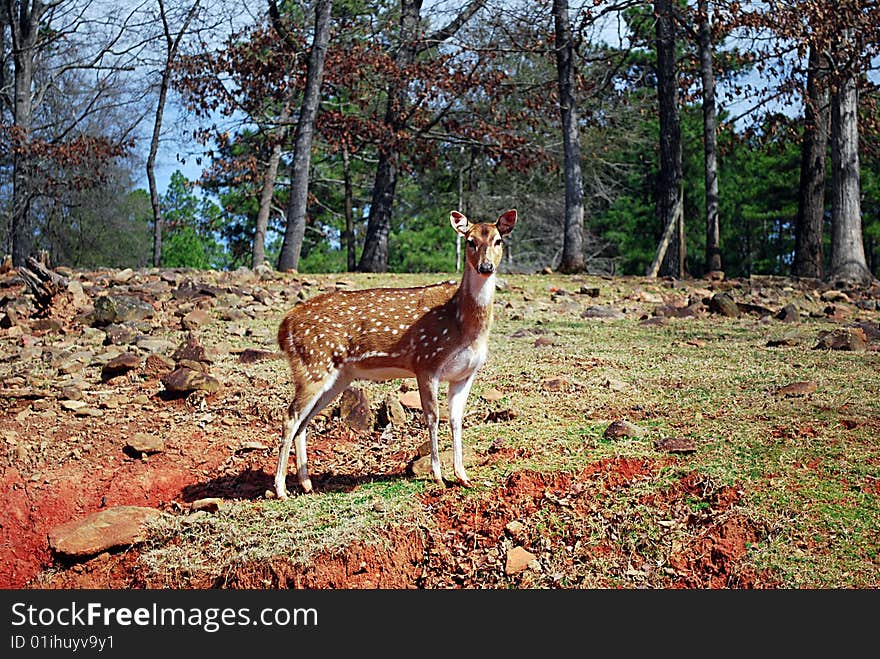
[{"x": 325, "y": 136}]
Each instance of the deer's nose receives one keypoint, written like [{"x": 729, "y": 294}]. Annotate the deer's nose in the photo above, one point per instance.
[{"x": 487, "y": 268}]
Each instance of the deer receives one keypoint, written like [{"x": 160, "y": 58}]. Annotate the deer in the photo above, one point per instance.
[{"x": 436, "y": 334}]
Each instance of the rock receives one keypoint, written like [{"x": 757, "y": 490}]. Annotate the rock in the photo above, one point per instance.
[
  {"x": 785, "y": 341},
  {"x": 93, "y": 336},
  {"x": 834, "y": 296},
  {"x": 251, "y": 355},
  {"x": 555, "y": 384},
  {"x": 191, "y": 349},
  {"x": 88, "y": 411},
  {"x": 122, "y": 276},
  {"x": 208, "y": 504},
  {"x": 615, "y": 385},
  {"x": 195, "y": 318},
  {"x": 543, "y": 341},
  {"x": 797, "y": 389},
  {"x": 788, "y": 314},
  {"x": 119, "y": 309},
  {"x": 724, "y": 304},
  {"x": 676, "y": 445},
  {"x": 77, "y": 294},
  {"x": 354, "y": 409},
  {"x": 184, "y": 380},
  {"x": 158, "y": 365},
  {"x": 844, "y": 338},
  {"x": 145, "y": 443},
  {"x": 517, "y": 560},
  {"x": 421, "y": 466},
  {"x": 121, "y": 364},
  {"x": 623, "y": 428},
  {"x": 71, "y": 392},
  {"x": 515, "y": 528},
  {"x": 411, "y": 400},
  {"x": 592, "y": 291},
  {"x": 107, "y": 529},
  {"x": 393, "y": 412},
  {"x": 149, "y": 344},
  {"x": 596, "y": 311},
  {"x": 73, "y": 405},
  {"x": 119, "y": 334},
  {"x": 492, "y": 395}
]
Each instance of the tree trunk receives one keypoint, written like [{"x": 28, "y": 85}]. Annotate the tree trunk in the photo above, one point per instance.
[
  {"x": 172, "y": 45},
  {"x": 573, "y": 237},
  {"x": 670, "y": 175},
  {"x": 710, "y": 140},
  {"x": 848, "y": 263},
  {"x": 302, "y": 144},
  {"x": 268, "y": 190},
  {"x": 811, "y": 192},
  {"x": 349, "y": 237},
  {"x": 374, "y": 257},
  {"x": 24, "y": 27}
]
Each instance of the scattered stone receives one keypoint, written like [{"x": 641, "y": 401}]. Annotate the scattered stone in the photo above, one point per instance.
[
  {"x": 517, "y": 560},
  {"x": 154, "y": 345},
  {"x": 492, "y": 395},
  {"x": 615, "y": 385},
  {"x": 622, "y": 428},
  {"x": 724, "y": 304},
  {"x": 354, "y": 409},
  {"x": 844, "y": 338},
  {"x": 208, "y": 505},
  {"x": 785, "y": 341},
  {"x": 247, "y": 447},
  {"x": 123, "y": 363},
  {"x": 592, "y": 291},
  {"x": 145, "y": 443},
  {"x": 196, "y": 366},
  {"x": 111, "y": 309},
  {"x": 195, "y": 319},
  {"x": 797, "y": 389},
  {"x": 421, "y": 466},
  {"x": 655, "y": 320},
  {"x": 251, "y": 355},
  {"x": 73, "y": 405},
  {"x": 834, "y": 296},
  {"x": 515, "y": 528},
  {"x": 191, "y": 349},
  {"x": 555, "y": 384},
  {"x": 596, "y": 311},
  {"x": 71, "y": 392},
  {"x": 543, "y": 341},
  {"x": 93, "y": 336},
  {"x": 788, "y": 314},
  {"x": 157, "y": 365},
  {"x": 673, "y": 311},
  {"x": 101, "y": 531},
  {"x": 122, "y": 276},
  {"x": 117, "y": 334},
  {"x": 88, "y": 411},
  {"x": 392, "y": 412},
  {"x": 411, "y": 400},
  {"x": 184, "y": 380},
  {"x": 676, "y": 445}
]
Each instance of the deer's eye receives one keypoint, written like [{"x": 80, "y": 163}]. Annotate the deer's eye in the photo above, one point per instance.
[
  {"x": 498, "y": 242},
  {"x": 471, "y": 242}
]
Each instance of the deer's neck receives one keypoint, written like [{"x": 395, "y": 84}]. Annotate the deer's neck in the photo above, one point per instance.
[{"x": 474, "y": 298}]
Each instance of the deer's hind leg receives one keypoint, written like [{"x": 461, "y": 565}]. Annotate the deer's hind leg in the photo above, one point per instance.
[{"x": 305, "y": 406}]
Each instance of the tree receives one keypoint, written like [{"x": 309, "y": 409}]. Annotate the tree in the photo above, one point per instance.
[
  {"x": 171, "y": 39},
  {"x": 811, "y": 197},
  {"x": 669, "y": 180},
  {"x": 68, "y": 68},
  {"x": 302, "y": 149},
  {"x": 710, "y": 137},
  {"x": 398, "y": 111},
  {"x": 573, "y": 242}
]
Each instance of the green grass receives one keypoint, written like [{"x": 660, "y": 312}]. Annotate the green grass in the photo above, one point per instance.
[{"x": 807, "y": 466}]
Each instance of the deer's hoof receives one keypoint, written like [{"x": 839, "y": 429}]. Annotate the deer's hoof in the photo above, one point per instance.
[{"x": 306, "y": 485}]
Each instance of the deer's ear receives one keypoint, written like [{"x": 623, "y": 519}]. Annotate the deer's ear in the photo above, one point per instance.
[
  {"x": 459, "y": 222},
  {"x": 506, "y": 222}
]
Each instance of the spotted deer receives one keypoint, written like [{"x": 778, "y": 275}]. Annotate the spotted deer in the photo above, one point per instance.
[{"x": 436, "y": 333}]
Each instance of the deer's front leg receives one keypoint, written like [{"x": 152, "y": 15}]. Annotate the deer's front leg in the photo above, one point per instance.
[
  {"x": 428, "y": 395},
  {"x": 458, "y": 395}
]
